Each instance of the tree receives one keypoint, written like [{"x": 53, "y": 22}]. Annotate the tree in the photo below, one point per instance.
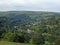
[{"x": 38, "y": 39}]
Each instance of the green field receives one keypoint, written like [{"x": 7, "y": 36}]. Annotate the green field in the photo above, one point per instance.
[{"x": 12, "y": 43}]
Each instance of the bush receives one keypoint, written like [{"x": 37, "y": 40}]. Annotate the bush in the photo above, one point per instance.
[{"x": 37, "y": 39}]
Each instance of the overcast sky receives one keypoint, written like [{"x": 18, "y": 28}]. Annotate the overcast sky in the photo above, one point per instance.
[{"x": 34, "y": 5}]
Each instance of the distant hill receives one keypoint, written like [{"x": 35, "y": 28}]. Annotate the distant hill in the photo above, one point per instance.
[{"x": 28, "y": 14}]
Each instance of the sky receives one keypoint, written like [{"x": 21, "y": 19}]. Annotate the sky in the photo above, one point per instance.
[{"x": 30, "y": 5}]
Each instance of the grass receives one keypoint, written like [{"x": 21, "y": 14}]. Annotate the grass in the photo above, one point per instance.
[{"x": 12, "y": 43}]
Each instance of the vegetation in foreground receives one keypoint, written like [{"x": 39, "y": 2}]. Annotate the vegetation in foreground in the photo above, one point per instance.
[{"x": 12, "y": 43}]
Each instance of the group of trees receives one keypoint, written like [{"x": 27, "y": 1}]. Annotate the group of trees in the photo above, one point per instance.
[{"x": 46, "y": 30}]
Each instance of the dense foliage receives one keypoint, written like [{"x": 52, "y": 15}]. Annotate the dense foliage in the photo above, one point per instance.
[{"x": 39, "y": 28}]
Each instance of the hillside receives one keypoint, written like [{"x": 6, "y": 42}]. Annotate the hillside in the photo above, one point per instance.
[
  {"x": 25, "y": 27},
  {"x": 28, "y": 16}
]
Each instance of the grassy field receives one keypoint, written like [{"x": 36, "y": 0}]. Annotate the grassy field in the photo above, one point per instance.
[{"x": 12, "y": 43}]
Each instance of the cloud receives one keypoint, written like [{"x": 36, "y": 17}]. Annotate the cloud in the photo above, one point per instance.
[{"x": 49, "y": 5}]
